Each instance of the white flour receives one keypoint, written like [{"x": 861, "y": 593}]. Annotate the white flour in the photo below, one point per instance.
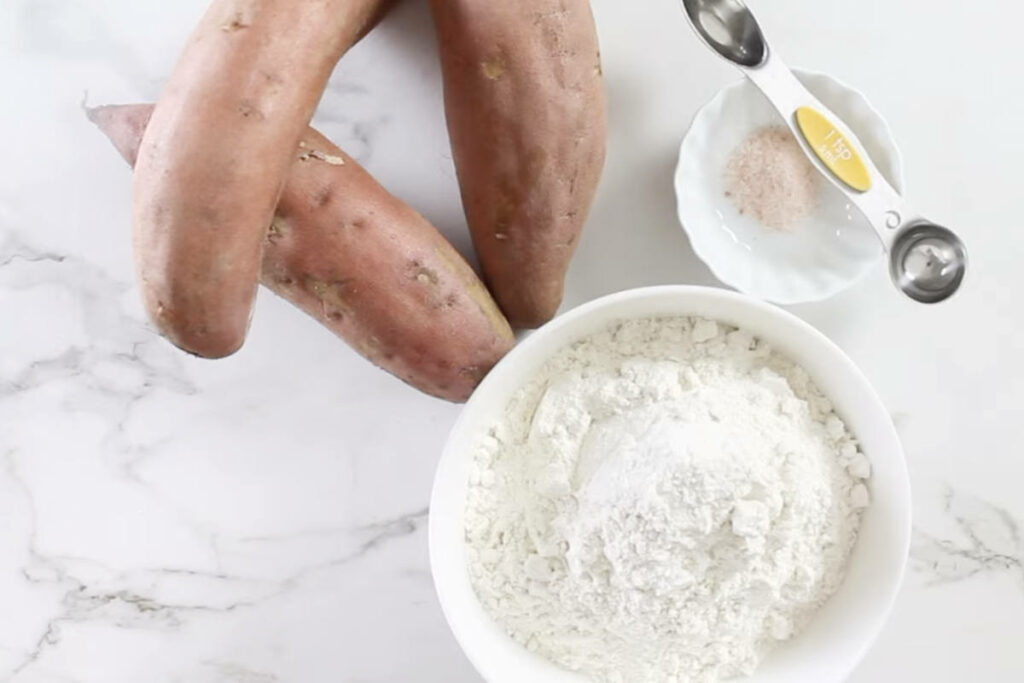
[{"x": 662, "y": 503}]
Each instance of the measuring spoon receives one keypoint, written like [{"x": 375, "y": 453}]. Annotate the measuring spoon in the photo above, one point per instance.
[{"x": 926, "y": 261}]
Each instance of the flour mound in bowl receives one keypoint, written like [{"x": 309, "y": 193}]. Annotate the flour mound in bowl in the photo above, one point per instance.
[{"x": 663, "y": 502}]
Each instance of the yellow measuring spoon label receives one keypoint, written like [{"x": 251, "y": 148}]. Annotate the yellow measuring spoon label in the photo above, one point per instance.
[{"x": 834, "y": 149}]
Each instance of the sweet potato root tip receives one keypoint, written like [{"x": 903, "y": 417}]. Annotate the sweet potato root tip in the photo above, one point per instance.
[
  {"x": 123, "y": 124},
  {"x": 201, "y": 344}
]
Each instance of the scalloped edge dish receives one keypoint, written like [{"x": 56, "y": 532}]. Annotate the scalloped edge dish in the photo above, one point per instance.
[{"x": 827, "y": 253}]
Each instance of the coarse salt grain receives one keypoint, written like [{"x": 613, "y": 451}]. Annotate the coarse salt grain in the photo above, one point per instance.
[{"x": 769, "y": 177}]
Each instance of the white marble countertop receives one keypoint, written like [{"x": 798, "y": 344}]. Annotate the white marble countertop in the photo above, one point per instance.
[{"x": 261, "y": 518}]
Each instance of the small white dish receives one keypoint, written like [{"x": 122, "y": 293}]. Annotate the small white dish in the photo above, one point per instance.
[
  {"x": 827, "y": 252},
  {"x": 840, "y": 633}
]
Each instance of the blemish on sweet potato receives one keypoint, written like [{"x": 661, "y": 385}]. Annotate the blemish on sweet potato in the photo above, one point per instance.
[
  {"x": 317, "y": 287},
  {"x": 249, "y": 110},
  {"x": 332, "y": 159},
  {"x": 494, "y": 68},
  {"x": 371, "y": 347},
  {"x": 278, "y": 230},
  {"x": 271, "y": 77},
  {"x": 504, "y": 211},
  {"x": 474, "y": 372},
  {"x": 426, "y": 276},
  {"x": 323, "y": 196},
  {"x": 333, "y": 296},
  {"x": 235, "y": 23}
]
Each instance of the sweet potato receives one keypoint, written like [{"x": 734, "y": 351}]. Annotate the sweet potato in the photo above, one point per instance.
[
  {"x": 525, "y": 102},
  {"x": 367, "y": 266},
  {"x": 216, "y": 154}
]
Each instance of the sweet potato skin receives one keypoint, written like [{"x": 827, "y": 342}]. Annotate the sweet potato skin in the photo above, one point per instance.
[
  {"x": 367, "y": 266},
  {"x": 381, "y": 276},
  {"x": 525, "y": 103},
  {"x": 215, "y": 155}
]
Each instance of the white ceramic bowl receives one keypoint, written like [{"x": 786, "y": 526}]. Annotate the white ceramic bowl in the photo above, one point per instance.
[
  {"x": 826, "y": 253},
  {"x": 840, "y": 633}
]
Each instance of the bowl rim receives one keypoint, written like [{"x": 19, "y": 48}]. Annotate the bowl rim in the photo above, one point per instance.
[
  {"x": 444, "y": 583},
  {"x": 699, "y": 247}
]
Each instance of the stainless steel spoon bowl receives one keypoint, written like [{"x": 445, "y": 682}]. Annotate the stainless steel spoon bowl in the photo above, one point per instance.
[
  {"x": 729, "y": 28},
  {"x": 927, "y": 262}
]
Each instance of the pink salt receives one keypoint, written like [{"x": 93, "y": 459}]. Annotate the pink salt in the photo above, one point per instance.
[{"x": 768, "y": 177}]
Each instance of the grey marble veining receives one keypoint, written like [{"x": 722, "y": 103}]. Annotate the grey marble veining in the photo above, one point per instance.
[
  {"x": 165, "y": 599},
  {"x": 262, "y": 519},
  {"x": 985, "y": 540}
]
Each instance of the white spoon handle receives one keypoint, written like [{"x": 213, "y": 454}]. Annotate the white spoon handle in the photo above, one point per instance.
[{"x": 833, "y": 149}]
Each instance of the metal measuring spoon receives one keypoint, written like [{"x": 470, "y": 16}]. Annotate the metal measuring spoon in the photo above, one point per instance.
[{"x": 926, "y": 261}]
